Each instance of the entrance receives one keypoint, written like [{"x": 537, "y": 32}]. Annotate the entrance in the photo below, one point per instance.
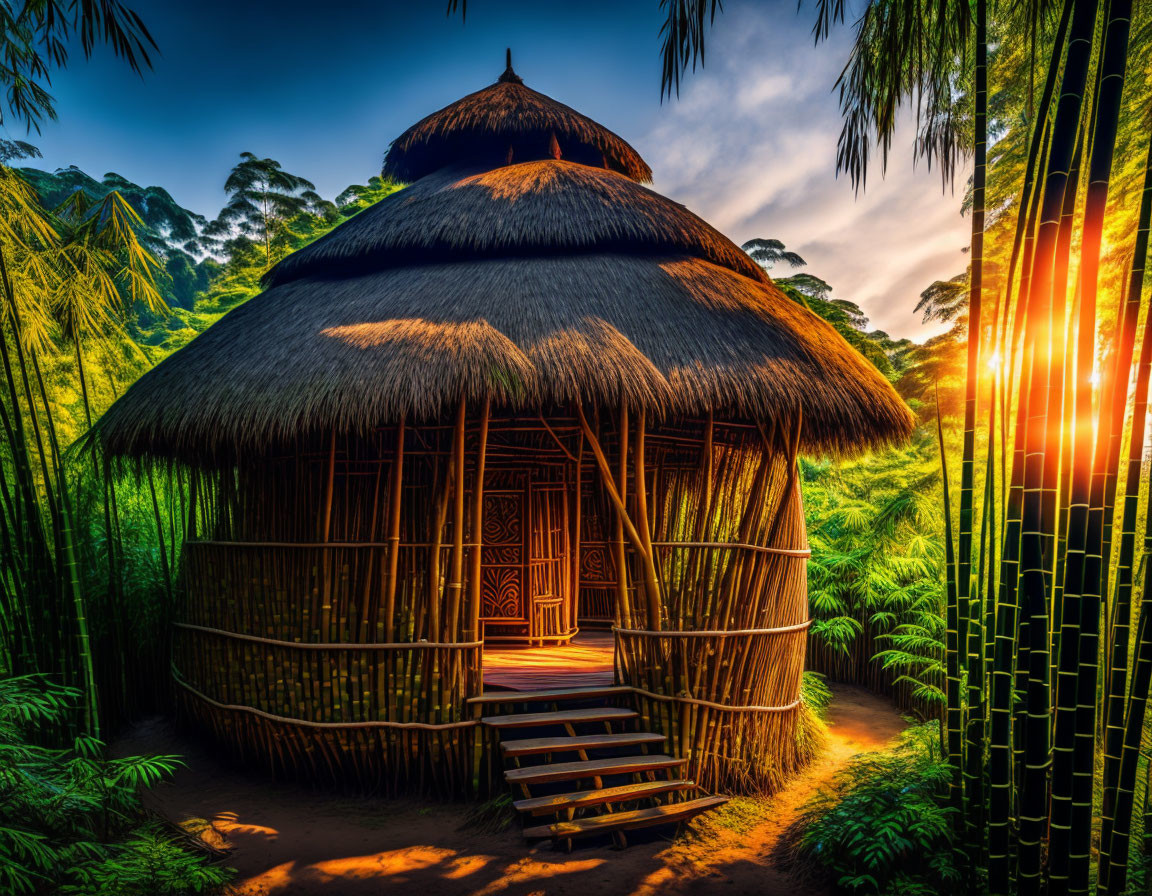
[
  {"x": 527, "y": 587},
  {"x": 535, "y": 599}
]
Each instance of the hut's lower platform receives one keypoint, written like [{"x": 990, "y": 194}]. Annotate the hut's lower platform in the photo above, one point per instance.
[{"x": 584, "y": 662}]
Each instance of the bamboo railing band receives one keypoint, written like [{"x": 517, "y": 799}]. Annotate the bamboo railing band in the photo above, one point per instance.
[
  {"x": 339, "y": 645},
  {"x": 317, "y": 544},
  {"x": 782, "y": 630},
  {"x": 736, "y": 545},
  {"x": 667, "y": 698},
  {"x": 304, "y": 723}
]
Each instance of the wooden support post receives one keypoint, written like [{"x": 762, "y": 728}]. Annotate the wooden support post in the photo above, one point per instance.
[
  {"x": 576, "y": 535},
  {"x": 475, "y": 595},
  {"x": 621, "y": 493},
  {"x": 456, "y": 572},
  {"x": 618, "y": 497},
  {"x": 394, "y": 493},
  {"x": 652, "y": 578},
  {"x": 330, "y": 482},
  {"x": 434, "y": 593}
]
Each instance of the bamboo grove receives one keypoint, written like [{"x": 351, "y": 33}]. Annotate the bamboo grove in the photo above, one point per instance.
[
  {"x": 66, "y": 524},
  {"x": 1047, "y": 666},
  {"x": 1046, "y": 655}
]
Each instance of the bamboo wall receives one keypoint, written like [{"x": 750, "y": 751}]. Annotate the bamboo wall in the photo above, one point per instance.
[
  {"x": 717, "y": 653},
  {"x": 338, "y": 592},
  {"x": 331, "y": 626}
]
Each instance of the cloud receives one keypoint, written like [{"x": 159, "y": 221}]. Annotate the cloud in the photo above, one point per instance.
[{"x": 750, "y": 145}]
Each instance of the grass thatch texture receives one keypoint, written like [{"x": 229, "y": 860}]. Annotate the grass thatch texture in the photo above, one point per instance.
[
  {"x": 535, "y": 208},
  {"x": 508, "y": 122},
  {"x": 317, "y": 354}
]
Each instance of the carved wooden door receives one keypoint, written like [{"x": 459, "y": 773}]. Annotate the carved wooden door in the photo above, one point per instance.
[{"x": 503, "y": 557}]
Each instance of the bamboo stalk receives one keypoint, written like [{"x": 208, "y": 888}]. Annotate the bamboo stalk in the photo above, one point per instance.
[
  {"x": 478, "y": 527},
  {"x": 652, "y": 578},
  {"x": 456, "y": 581}
]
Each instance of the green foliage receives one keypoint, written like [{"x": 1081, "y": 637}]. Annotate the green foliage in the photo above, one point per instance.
[
  {"x": 815, "y": 694},
  {"x": 889, "y": 356},
  {"x": 883, "y": 827},
  {"x": 268, "y": 209},
  {"x": 167, "y": 230},
  {"x": 73, "y": 820},
  {"x": 94, "y": 559},
  {"x": 875, "y": 576},
  {"x": 358, "y": 197},
  {"x": 37, "y": 38},
  {"x": 166, "y": 222},
  {"x": 769, "y": 252},
  {"x": 146, "y": 863}
]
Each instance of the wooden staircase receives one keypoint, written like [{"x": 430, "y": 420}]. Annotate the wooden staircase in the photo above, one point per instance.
[{"x": 611, "y": 778}]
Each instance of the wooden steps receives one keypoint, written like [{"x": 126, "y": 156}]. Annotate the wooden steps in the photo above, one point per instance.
[
  {"x": 619, "y": 787},
  {"x": 541, "y": 805},
  {"x": 578, "y": 743},
  {"x": 559, "y": 717},
  {"x": 593, "y": 768},
  {"x": 549, "y": 696},
  {"x": 624, "y": 821}
]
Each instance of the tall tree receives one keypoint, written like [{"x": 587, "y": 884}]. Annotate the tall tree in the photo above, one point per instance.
[
  {"x": 264, "y": 200},
  {"x": 770, "y": 252}
]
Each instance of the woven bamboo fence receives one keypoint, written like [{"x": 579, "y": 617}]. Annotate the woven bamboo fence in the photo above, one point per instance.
[{"x": 712, "y": 634}]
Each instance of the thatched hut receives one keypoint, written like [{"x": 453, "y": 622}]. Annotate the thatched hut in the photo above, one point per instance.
[{"x": 522, "y": 391}]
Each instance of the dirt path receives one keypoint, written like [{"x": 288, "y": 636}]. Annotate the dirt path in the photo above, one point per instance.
[{"x": 289, "y": 841}]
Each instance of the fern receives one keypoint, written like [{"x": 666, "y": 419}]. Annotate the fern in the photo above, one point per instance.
[
  {"x": 876, "y": 574},
  {"x": 73, "y": 817},
  {"x": 881, "y": 827}
]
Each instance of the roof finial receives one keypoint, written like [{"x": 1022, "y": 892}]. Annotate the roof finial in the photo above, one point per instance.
[{"x": 509, "y": 76}]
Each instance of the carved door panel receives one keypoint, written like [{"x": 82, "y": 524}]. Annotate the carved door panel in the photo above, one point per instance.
[
  {"x": 503, "y": 557},
  {"x": 598, "y": 574}
]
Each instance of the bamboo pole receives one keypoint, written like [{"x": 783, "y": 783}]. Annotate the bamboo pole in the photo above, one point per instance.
[
  {"x": 617, "y": 496},
  {"x": 434, "y": 594},
  {"x": 394, "y": 506},
  {"x": 576, "y": 534},
  {"x": 456, "y": 581},
  {"x": 477, "y": 597},
  {"x": 625, "y": 599},
  {"x": 652, "y": 579}
]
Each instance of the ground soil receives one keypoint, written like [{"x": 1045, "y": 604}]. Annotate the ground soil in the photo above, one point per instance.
[{"x": 290, "y": 841}]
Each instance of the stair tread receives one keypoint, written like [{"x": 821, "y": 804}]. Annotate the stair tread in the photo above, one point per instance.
[
  {"x": 532, "y": 745},
  {"x": 539, "y": 805},
  {"x": 538, "y": 719},
  {"x": 621, "y": 821},
  {"x": 566, "y": 771},
  {"x": 549, "y": 694}
]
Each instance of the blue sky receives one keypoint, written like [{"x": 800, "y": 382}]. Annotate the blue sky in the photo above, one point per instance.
[{"x": 324, "y": 87}]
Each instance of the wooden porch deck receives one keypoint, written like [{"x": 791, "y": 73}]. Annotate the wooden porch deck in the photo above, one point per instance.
[{"x": 584, "y": 662}]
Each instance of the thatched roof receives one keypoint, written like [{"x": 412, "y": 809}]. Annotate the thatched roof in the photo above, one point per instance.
[
  {"x": 533, "y": 208},
  {"x": 537, "y": 285},
  {"x": 505, "y": 123}
]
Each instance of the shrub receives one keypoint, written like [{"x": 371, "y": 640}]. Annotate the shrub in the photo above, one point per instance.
[
  {"x": 71, "y": 820},
  {"x": 882, "y": 827}
]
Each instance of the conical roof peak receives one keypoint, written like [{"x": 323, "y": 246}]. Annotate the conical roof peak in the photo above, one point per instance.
[
  {"x": 509, "y": 76},
  {"x": 505, "y": 123}
]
